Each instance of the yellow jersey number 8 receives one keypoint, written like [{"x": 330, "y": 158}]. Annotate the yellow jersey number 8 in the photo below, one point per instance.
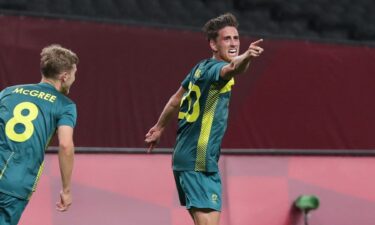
[
  {"x": 193, "y": 116},
  {"x": 26, "y": 120}
]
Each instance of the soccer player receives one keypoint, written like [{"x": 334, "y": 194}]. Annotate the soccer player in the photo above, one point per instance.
[
  {"x": 202, "y": 106},
  {"x": 30, "y": 115}
]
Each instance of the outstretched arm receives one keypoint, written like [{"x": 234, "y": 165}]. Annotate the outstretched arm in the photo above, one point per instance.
[
  {"x": 240, "y": 63},
  {"x": 169, "y": 111},
  {"x": 66, "y": 159}
]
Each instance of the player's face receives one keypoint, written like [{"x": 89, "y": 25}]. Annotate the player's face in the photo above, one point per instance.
[
  {"x": 227, "y": 44},
  {"x": 68, "y": 80}
]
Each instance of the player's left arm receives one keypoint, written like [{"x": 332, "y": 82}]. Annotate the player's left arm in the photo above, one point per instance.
[
  {"x": 241, "y": 63},
  {"x": 66, "y": 161}
]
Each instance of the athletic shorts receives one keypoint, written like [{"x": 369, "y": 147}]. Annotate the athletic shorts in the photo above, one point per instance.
[
  {"x": 201, "y": 190},
  {"x": 11, "y": 209}
]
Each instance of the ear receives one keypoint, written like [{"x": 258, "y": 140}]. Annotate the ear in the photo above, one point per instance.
[
  {"x": 64, "y": 76},
  {"x": 213, "y": 45}
]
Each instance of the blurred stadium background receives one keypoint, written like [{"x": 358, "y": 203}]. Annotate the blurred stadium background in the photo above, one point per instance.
[{"x": 301, "y": 120}]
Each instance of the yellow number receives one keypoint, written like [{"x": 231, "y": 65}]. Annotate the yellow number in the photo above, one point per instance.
[
  {"x": 193, "y": 116},
  {"x": 18, "y": 118}
]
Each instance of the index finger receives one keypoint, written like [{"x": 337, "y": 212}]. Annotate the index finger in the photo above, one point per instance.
[
  {"x": 60, "y": 207},
  {"x": 257, "y": 42},
  {"x": 150, "y": 147}
]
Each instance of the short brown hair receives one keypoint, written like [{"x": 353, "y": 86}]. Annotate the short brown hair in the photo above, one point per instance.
[
  {"x": 212, "y": 27},
  {"x": 55, "y": 60}
]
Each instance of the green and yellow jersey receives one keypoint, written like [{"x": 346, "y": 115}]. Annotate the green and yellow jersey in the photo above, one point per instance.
[
  {"x": 202, "y": 118},
  {"x": 29, "y": 117}
]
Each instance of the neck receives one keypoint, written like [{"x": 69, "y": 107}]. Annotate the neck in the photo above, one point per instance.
[
  {"x": 216, "y": 55},
  {"x": 217, "y": 58},
  {"x": 54, "y": 83}
]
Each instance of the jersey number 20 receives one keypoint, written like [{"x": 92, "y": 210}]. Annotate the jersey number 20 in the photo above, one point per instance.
[
  {"x": 25, "y": 120},
  {"x": 193, "y": 116}
]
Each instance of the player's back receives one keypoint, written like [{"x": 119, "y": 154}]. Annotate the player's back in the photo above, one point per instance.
[{"x": 29, "y": 116}]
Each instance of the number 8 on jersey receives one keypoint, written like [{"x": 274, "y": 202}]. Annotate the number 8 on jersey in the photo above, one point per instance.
[{"x": 19, "y": 118}]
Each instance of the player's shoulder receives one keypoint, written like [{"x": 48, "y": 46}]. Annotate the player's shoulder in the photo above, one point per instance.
[
  {"x": 65, "y": 100},
  {"x": 25, "y": 86},
  {"x": 208, "y": 64},
  {"x": 17, "y": 86},
  {"x": 61, "y": 98},
  {"x": 204, "y": 69},
  {"x": 14, "y": 87}
]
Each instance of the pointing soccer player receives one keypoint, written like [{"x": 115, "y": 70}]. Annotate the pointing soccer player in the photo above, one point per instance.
[{"x": 202, "y": 107}]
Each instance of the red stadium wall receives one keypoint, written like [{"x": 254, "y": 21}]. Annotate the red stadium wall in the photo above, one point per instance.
[
  {"x": 298, "y": 95},
  {"x": 139, "y": 190}
]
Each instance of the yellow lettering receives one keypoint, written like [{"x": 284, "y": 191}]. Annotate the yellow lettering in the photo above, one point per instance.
[
  {"x": 52, "y": 99},
  {"x": 41, "y": 95},
  {"x": 34, "y": 93},
  {"x": 18, "y": 90},
  {"x": 47, "y": 96}
]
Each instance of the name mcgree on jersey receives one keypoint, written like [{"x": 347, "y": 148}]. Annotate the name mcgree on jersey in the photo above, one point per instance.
[{"x": 36, "y": 94}]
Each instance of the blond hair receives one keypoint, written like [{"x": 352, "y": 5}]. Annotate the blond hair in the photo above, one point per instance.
[{"x": 56, "y": 59}]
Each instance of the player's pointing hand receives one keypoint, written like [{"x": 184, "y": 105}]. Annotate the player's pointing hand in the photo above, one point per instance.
[{"x": 254, "y": 49}]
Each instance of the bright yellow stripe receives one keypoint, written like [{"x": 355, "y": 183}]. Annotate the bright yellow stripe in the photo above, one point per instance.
[
  {"x": 227, "y": 87},
  {"x": 49, "y": 139},
  {"x": 6, "y": 165},
  {"x": 41, "y": 168},
  {"x": 208, "y": 117}
]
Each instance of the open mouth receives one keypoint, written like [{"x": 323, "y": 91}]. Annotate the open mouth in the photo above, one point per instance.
[{"x": 232, "y": 51}]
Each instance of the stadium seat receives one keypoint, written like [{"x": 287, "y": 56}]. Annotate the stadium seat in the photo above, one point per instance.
[
  {"x": 83, "y": 8},
  {"x": 130, "y": 10},
  {"x": 40, "y": 6},
  {"x": 176, "y": 12},
  {"x": 60, "y": 7},
  {"x": 13, "y": 4},
  {"x": 344, "y": 20},
  {"x": 106, "y": 9}
]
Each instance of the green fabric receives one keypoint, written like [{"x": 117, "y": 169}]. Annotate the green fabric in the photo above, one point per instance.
[
  {"x": 29, "y": 117},
  {"x": 11, "y": 209},
  {"x": 200, "y": 190},
  {"x": 202, "y": 118}
]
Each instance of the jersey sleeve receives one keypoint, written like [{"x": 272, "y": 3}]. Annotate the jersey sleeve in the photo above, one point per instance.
[
  {"x": 185, "y": 82},
  {"x": 2, "y": 93},
  {"x": 214, "y": 71},
  {"x": 190, "y": 77},
  {"x": 68, "y": 116}
]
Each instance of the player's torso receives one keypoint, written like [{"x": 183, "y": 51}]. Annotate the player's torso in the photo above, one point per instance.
[
  {"x": 28, "y": 117},
  {"x": 202, "y": 120}
]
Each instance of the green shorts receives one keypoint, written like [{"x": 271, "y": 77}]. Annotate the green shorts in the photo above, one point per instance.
[
  {"x": 200, "y": 190},
  {"x": 11, "y": 209}
]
